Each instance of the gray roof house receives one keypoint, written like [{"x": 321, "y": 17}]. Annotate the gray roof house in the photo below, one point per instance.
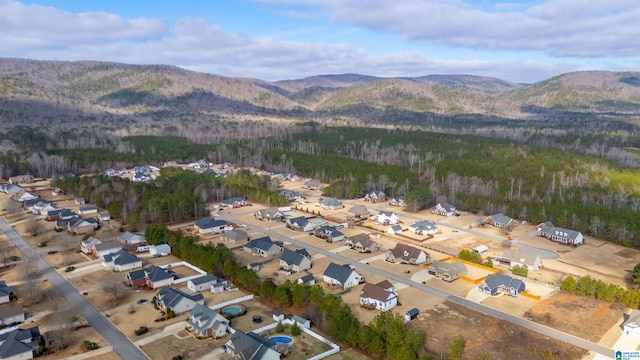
[
  {"x": 208, "y": 225},
  {"x": 378, "y": 296},
  {"x": 499, "y": 283},
  {"x": 178, "y": 301},
  {"x": 362, "y": 243},
  {"x": 6, "y": 293},
  {"x": 86, "y": 246},
  {"x": 375, "y": 196},
  {"x": 313, "y": 184},
  {"x": 501, "y": 221},
  {"x": 235, "y": 236},
  {"x": 205, "y": 282},
  {"x": 406, "y": 254},
  {"x": 359, "y": 212},
  {"x": 560, "y": 235},
  {"x": 341, "y": 276},
  {"x": 447, "y": 271},
  {"x": 204, "y": 322},
  {"x": 307, "y": 279},
  {"x": 121, "y": 261},
  {"x": 156, "y": 277},
  {"x": 444, "y": 209},
  {"x": 20, "y": 343},
  {"x": 295, "y": 261},
  {"x": 269, "y": 214},
  {"x": 263, "y": 247},
  {"x": 329, "y": 233},
  {"x": 87, "y": 209},
  {"x": 299, "y": 223},
  {"x": 519, "y": 257},
  {"x": 424, "y": 227},
  {"x": 129, "y": 238},
  {"x": 104, "y": 248},
  {"x": 10, "y": 313},
  {"x": 251, "y": 346},
  {"x": 331, "y": 204}
]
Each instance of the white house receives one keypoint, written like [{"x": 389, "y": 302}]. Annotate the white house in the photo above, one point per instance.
[
  {"x": 387, "y": 218},
  {"x": 406, "y": 254},
  {"x": 378, "y": 296},
  {"x": 424, "y": 227},
  {"x": 121, "y": 261},
  {"x": 522, "y": 258},
  {"x": 178, "y": 301},
  {"x": 211, "y": 226},
  {"x": 444, "y": 209},
  {"x": 160, "y": 250},
  {"x": 204, "y": 282},
  {"x": 341, "y": 275}
]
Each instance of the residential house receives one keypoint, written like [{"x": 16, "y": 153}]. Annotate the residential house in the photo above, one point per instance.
[
  {"x": 104, "y": 248},
  {"x": 121, "y": 261},
  {"x": 22, "y": 196},
  {"x": 263, "y": 247},
  {"x": 307, "y": 280},
  {"x": 43, "y": 207},
  {"x": 331, "y": 204},
  {"x": 178, "y": 301},
  {"x": 560, "y": 235},
  {"x": 444, "y": 209},
  {"x": 295, "y": 261},
  {"x": 387, "y": 218},
  {"x": 406, "y": 254},
  {"x": 313, "y": 184},
  {"x": 395, "y": 229},
  {"x": 60, "y": 214},
  {"x": 211, "y": 226},
  {"x": 375, "y": 196},
  {"x": 341, "y": 276},
  {"x": 21, "y": 179},
  {"x": 205, "y": 282},
  {"x": 160, "y": 250},
  {"x": 129, "y": 238},
  {"x": 20, "y": 343},
  {"x": 79, "y": 201},
  {"x": 424, "y": 227},
  {"x": 359, "y": 212},
  {"x": 86, "y": 246},
  {"x": 397, "y": 201},
  {"x": 251, "y": 346},
  {"x": 329, "y": 233},
  {"x": 153, "y": 277},
  {"x": 11, "y": 188},
  {"x": 378, "y": 296},
  {"x": 10, "y": 313},
  {"x": 61, "y": 176},
  {"x": 291, "y": 195},
  {"x": 6, "y": 293},
  {"x": 501, "y": 221},
  {"x": 299, "y": 224},
  {"x": 235, "y": 236},
  {"x": 447, "y": 271},
  {"x": 104, "y": 217},
  {"x": 270, "y": 214},
  {"x": 204, "y": 322},
  {"x": 87, "y": 209},
  {"x": 234, "y": 202},
  {"x": 79, "y": 226},
  {"x": 499, "y": 283},
  {"x": 362, "y": 243},
  {"x": 631, "y": 326},
  {"x": 519, "y": 257}
]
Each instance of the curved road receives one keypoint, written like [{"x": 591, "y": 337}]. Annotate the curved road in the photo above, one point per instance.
[
  {"x": 120, "y": 343},
  {"x": 541, "y": 329}
]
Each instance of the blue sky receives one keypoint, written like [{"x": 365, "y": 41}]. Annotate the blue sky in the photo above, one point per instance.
[{"x": 519, "y": 41}]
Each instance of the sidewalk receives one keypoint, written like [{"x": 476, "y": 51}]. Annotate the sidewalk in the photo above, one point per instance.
[{"x": 168, "y": 330}]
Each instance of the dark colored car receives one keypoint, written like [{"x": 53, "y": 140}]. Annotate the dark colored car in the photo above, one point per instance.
[{"x": 141, "y": 301}]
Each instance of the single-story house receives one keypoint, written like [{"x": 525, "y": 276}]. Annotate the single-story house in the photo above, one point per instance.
[
  {"x": 387, "y": 218},
  {"x": 331, "y": 204},
  {"x": 104, "y": 217},
  {"x": 129, "y": 238},
  {"x": 299, "y": 223},
  {"x": 204, "y": 322},
  {"x": 444, "y": 209},
  {"x": 313, "y": 184},
  {"x": 23, "y": 196},
  {"x": 307, "y": 279},
  {"x": 291, "y": 195},
  {"x": 362, "y": 243},
  {"x": 235, "y": 236},
  {"x": 10, "y": 313},
  {"x": 375, "y": 196},
  {"x": 500, "y": 283},
  {"x": 60, "y": 214},
  {"x": 631, "y": 326},
  {"x": 105, "y": 248},
  {"x": 519, "y": 257},
  {"x": 406, "y": 254},
  {"x": 447, "y": 271},
  {"x": 234, "y": 202},
  {"x": 341, "y": 275},
  {"x": 295, "y": 261},
  {"x": 87, "y": 209},
  {"x": 424, "y": 227},
  {"x": 86, "y": 246},
  {"x": 359, "y": 212},
  {"x": 11, "y": 188},
  {"x": 501, "y": 221},
  {"x": 263, "y": 247},
  {"x": 329, "y": 233},
  {"x": 378, "y": 296},
  {"x": 560, "y": 235},
  {"x": 20, "y": 343},
  {"x": 252, "y": 346},
  {"x": 21, "y": 179},
  {"x": 121, "y": 261},
  {"x": 79, "y": 226},
  {"x": 397, "y": 201},
  {"x": 178, "y": 301},
  {"x": 209, "y": 226},
  {"x": 160, "y": 250},
  {"x": 6, "y": 293},
  {"x": 270, "y": 214},
  {"x": 205, "y": 282},
  {"x": 153, "y": 277}
]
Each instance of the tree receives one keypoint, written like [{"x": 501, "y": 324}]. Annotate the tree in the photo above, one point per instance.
[
  {"x": 295, "y": 329},
  {"x": 282, "y": 296},
  {"x": 471, "y": 256},
  {"x": 33, "y": 279},
  {"x": 34, "y": 226},
  {"x": 520, "y": 270},
  {"x": 279, "y": 327},
  {"x": 267, "y": 289},
  {"x": 456, "y": 347},
  {"x": 5, "y": 249},
  {"x": 636, "y": 274},
  {"x": 60, "y": 328},
  {"x": 114, "y": 287}
]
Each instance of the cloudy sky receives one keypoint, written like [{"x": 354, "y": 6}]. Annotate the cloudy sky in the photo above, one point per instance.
[{"x": 519, "y": 41}]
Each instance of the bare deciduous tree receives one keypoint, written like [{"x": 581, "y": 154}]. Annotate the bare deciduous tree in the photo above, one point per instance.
[
  {"x": 34, "y": 226},
  {"x": 33, "y": 281},
  {"x": 114, "y": 287},
  {"x": 60, "y": 326}
]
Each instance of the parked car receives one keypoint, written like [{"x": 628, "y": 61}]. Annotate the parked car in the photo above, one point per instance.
[{"x": 141, "y": 301}]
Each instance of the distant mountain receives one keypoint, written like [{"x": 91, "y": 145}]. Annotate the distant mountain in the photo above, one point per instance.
[{"x": 34, "y": 92}]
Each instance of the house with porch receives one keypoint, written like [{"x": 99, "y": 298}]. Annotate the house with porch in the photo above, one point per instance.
[
  {"x": 424, "y": 227},
  {"x": 358, "y": 212},
  {"x": 375, "y": 196},
  {"x": 210, "y": 226},
  {"x": 329, "y": 234},
  {"x": 378, "y": 296},
  {"x": 331, "y": 204},
  {"x": 447, "y": 271},
  {"x": 204, "y": 322},
  {"x": 178, "y": 301},
  {"x": 121, "y": 261},
  {"x": 560, "y": 235},
  {"x": 205, "y": 282},
  {"x": 501, "y": 221},
  {"x": 86, "y": 246},
  {"x": 234, "y": 202},
  {"x": 405, "y": 254},
  {"x": 518, "y": 257},
  {"x": 362, "y": 243},
  {"x": 269, "y": 214},
  {"x": 444, "y": 209},
  {"x": 342, "y": 276},
  {"x": 20, "y": 343},
  {"x": 244, "y": 346},
  {"x": 263, "y": 247},
  {"x": 10, "y": 313},
  {"x": 295, "y": 261},
  {"x": 129, "y": 238},
  {"x": 387, "y": 218},
  {"x": 104, "y": 248},
  {"x": 313, "y": 184},
  {"x": 397, "y": 201},
  {"x": 299, "y": 223},
  {"x": 495, "y": 284}
]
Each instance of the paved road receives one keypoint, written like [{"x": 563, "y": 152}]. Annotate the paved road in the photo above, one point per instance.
[
  {"x": 541, "y": 329},
  {"x": 122, "y": 345}
]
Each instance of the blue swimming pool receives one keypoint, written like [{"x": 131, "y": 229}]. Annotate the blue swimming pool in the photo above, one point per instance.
[
  {"x": 232, "y": 310},
  {"x": 318, "y": 223},
  {"x": 282, "y": 339}
]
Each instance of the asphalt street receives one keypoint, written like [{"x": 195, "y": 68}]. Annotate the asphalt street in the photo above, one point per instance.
[{"x": 120, "y": 343}]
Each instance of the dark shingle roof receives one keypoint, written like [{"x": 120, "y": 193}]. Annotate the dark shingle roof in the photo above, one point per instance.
[{"x": 338, "y": 272}]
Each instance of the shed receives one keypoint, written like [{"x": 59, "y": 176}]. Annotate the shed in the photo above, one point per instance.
[
  {"x": 302, "y": 322},
  {"x": 411, "y": 314},
  {"x": 160, "y": 250},
  {"x": 278, "y": 316},
  {"x": 480, "y": 249}
]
